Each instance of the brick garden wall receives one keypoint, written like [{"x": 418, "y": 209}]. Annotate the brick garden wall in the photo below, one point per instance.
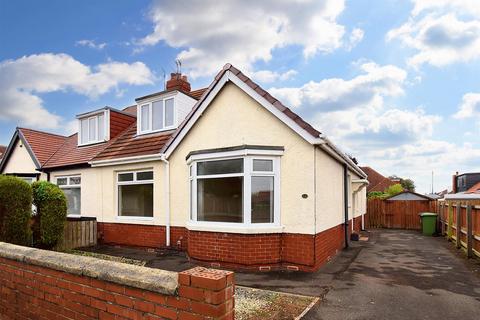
[{"x": 29, "y": 290}]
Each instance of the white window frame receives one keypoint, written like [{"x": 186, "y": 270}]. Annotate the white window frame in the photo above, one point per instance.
[
  {"x": 71, "y": 186},
  {"x": 149, "y": 105},
  {"x": 134, "y": 182},
  {"x": 247, "y": 175},
  {"x": 106, "y": 128}
]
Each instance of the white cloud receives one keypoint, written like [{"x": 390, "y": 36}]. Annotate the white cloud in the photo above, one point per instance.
[
  {"x": 441, "y": 32},
  {"x": 470, "y": 106},
  {"x": 367, "y": 89},
  {"x": 22, "y": 80},
  {"x": 211, "y": 33},
  {"x": 91, "y": 44},
  {"x": 355, "y": 38},
  {"x": 267, "y": 76}
]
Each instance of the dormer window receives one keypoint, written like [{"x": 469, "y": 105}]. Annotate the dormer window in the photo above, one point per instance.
[
  {"x": 92, "y": 129},
  {"x": 158, "y": 115}
]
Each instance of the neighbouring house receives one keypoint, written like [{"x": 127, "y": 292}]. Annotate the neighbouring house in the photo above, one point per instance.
[
  {"x": 226, "y": 173},
  {"x": 407, "y": 195},
  {"x": 465, "y": 186},
  {"x": 2, "y": 151},
  {"x": 377, "y": 182}
]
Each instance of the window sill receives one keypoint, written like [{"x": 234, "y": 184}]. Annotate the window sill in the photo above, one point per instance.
[
  {"x": 229, "y": 228},
  {"x": 132, "y": 218}
]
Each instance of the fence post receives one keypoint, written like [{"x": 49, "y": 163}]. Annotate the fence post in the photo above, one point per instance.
[
  {"x": 458, "y": 233},
  {"x": 441, "y": 210},
  {"x": 469, "y": 232},
  {"x": 450, "y": 221}
]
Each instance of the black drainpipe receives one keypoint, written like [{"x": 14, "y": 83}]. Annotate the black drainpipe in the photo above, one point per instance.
[{"x": 345, "y": 200}]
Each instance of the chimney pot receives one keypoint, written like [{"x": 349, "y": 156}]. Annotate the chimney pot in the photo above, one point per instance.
[{"x": 178, "y": 82}]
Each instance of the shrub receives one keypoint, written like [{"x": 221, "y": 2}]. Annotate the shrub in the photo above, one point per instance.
[
  {"x": 376, "y": 195},
  {"x": 51, "y": 214},
  {"x": 15, "y": 210},
  {"x": 394, "y": 189}
]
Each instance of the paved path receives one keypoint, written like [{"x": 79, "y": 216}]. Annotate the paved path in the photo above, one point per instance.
[{"x": 404, "y": 275}]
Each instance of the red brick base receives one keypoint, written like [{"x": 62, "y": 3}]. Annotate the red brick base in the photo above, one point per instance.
[
  {"x": 357, "y": 224},
  {"x": 262, "y": 252}
]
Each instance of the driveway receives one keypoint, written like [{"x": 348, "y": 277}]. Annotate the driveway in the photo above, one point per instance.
[{"x": 404, "y": 275}]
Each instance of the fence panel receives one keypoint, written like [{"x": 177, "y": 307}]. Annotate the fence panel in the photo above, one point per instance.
[
  {"x": 79, "y": 233},
  {"x": 397, "y": 214},
  {"x": 466, "y": 233}
]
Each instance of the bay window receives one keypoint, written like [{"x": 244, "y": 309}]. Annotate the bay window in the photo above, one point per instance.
[
  {"x": 135, "y": 194},
  {"x": 71, "y": 187},
  {"x": 238, "y": 191}
]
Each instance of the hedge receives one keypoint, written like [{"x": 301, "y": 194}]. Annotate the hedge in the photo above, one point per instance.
[
  {"x": 15, "y": 210},
  {"x": 51, "y": 215}
]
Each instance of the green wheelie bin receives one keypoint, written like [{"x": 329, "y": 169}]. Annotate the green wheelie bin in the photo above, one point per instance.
[{"x": 429, "y": 223}]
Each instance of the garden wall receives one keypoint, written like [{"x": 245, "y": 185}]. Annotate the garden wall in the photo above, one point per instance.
[{"x": 39, "y": 284}]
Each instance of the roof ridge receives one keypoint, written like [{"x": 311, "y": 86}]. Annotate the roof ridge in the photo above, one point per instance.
[{"x": 44, "y": 132}]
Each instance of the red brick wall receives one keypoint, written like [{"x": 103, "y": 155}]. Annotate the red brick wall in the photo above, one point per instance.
[
  {"x": 357, "y": 224},
  {"x": 138, "y": 235},
  {"x": 33, "y": 292},
  {"x": 231, "y": 250}
]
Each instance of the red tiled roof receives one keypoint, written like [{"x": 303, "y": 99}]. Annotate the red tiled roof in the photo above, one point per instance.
[
  {"x": 377, "y": 182},
  {"x": 197, "y": 94},
  {"x": 71, "y": 154},
  {"x": 2, "y": 150},
  {"x": 42, "y": 144},
  {"x": 129, "y": 144},
  {"x": 131, "y": 110},
  {"x": 474, "y": 189}
]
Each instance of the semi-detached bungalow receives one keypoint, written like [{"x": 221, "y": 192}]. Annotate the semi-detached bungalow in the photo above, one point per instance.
[{"x": 226, "y": 173}]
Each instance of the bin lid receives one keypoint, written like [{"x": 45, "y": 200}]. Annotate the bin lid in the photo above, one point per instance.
[{"x": 428, "y": 214}]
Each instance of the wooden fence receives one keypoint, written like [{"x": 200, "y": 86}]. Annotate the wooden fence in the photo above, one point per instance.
[
  {"x": 397, "y": 214},
  {"x": 460, "y": 223},
  {"x": 78, "y": 233}
]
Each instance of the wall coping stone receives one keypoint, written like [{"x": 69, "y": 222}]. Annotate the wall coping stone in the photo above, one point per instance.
[{"x": 161, "y": 281}]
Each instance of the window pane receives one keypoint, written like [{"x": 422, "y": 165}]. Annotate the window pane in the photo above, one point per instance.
[
  {"x": 84, "y": 131},
  {"x": 191, "y": 199},
  {"x": 220, "y": 167},
  {"x": 148, "y": 175},
  {"x": 92, "y": 129},
  {"x": 157, "y": 110},
  {"x": 136, "y": 200},
  {"x": 61, "y": 181},
  {"x": 262, "y": 165},
  {"x": 101, "y": 127},
  {"x": 145, "y": 118},
  {"x": 262, "y": 199},
  {"x": 73, "y": 196},
  {"x": 125, "y": 177},
  {"x": 75, "y": 180},
  {"x": 220, "y": 199},
  {"x": 169, "y": 112}
]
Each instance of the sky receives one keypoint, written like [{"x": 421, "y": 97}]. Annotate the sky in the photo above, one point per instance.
[{"x": 393, "y": 83}]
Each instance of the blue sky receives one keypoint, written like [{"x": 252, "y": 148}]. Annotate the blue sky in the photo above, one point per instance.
[{"x": 394, "y": 83}]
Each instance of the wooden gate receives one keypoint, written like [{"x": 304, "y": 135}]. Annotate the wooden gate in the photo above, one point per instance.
[
  {"x": 401, "y": 214},
  {"x": 78, "y": 233}
]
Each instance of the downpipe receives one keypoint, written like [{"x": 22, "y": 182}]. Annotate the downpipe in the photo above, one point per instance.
[
  {"x": 345, "y": 201},
  {"x": 167, "y": 200}
]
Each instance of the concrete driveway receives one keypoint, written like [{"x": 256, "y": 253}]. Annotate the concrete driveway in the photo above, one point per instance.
[{"x": 404, "y": 275}]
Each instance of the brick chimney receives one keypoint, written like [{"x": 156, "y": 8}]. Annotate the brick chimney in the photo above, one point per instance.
[
  {"x": 454, "y": 182},
  {"x": 178, "y": 82}
]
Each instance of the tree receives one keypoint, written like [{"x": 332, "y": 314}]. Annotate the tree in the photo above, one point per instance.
[
  {"x": 394, "y": 189},
  {"x": 408, "y": 184}
]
